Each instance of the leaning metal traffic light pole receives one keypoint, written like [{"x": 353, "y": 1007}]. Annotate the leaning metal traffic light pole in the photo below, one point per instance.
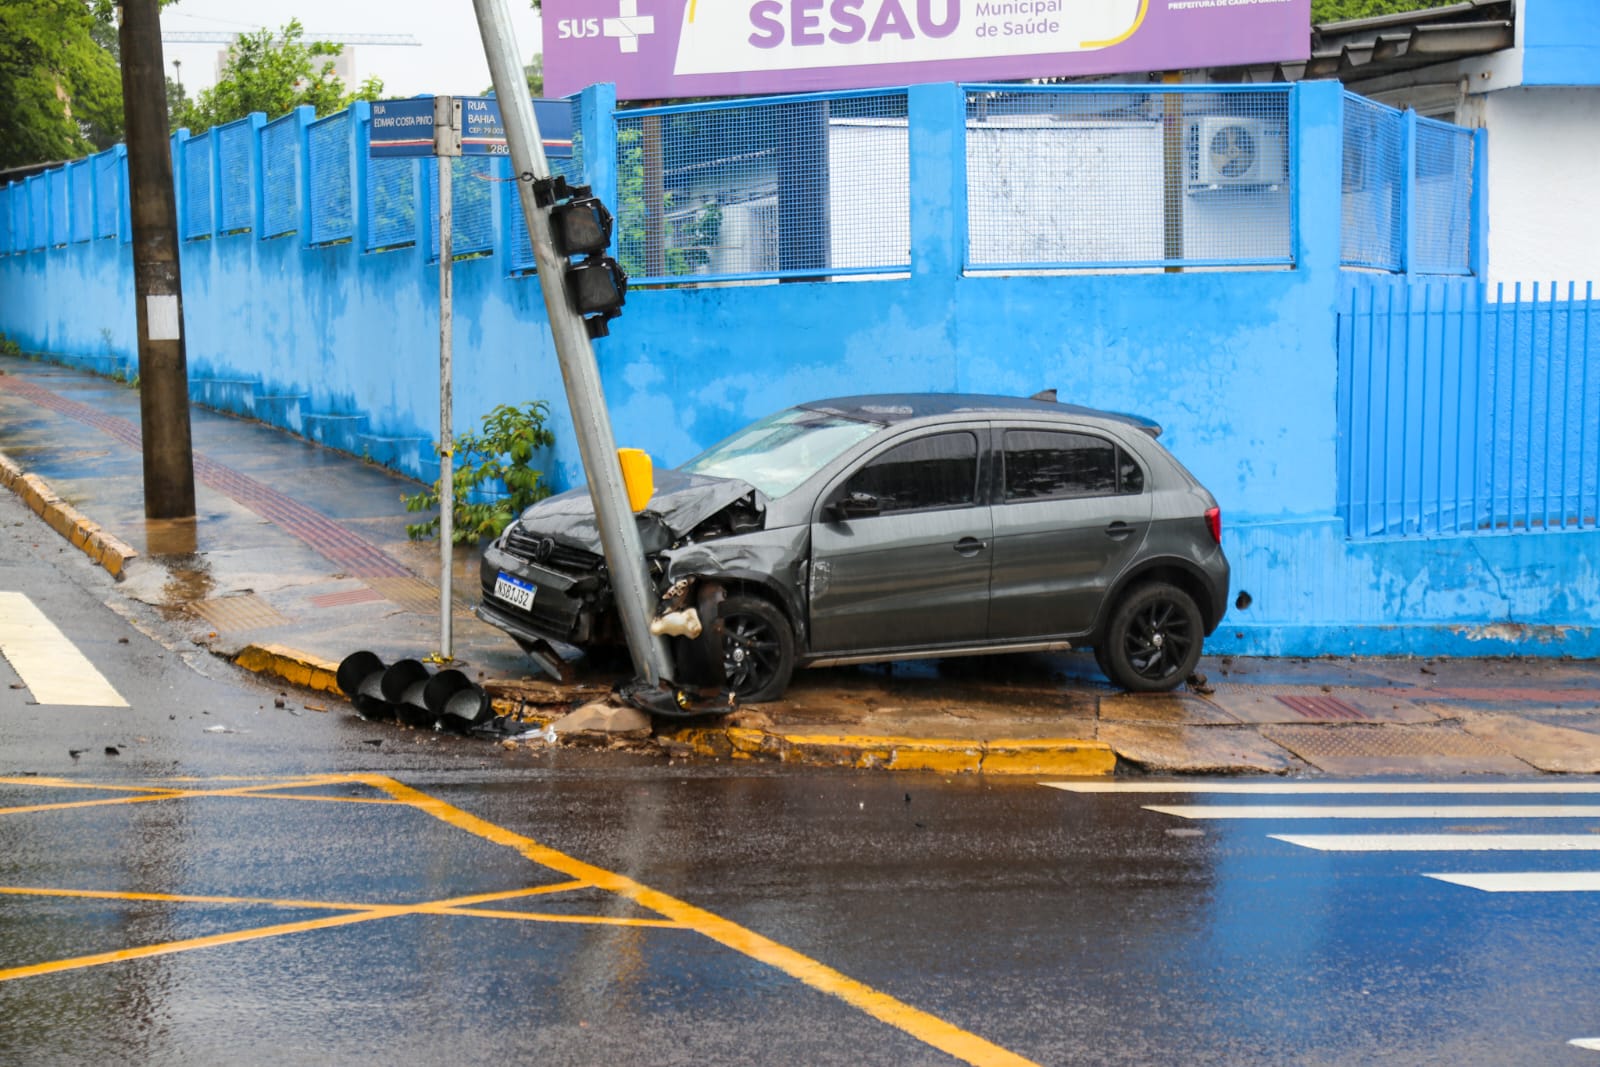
[{"x": 630, "y": 576}]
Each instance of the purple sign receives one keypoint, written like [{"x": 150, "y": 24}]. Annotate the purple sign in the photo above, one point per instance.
[{"x": 665, "y": 49}]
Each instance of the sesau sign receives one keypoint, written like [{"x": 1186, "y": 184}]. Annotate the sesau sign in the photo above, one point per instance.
[{"x": 662, "y": 49}]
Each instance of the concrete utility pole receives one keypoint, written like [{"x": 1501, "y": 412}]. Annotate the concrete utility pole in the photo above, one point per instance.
[
  {"x": 630, "y": 576},
  {"x": 158, "y": 288}
]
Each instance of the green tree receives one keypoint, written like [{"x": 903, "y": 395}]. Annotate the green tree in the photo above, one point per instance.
[
  {"x": 59, "y": 80},
  {"x": 275, "y": 72},
  {"x": 1340, "y": 10}
]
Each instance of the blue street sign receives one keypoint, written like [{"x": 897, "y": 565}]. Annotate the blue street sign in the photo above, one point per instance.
[
  {"x": 405, "y": 127},
  {"x": 402, "y": 127}
]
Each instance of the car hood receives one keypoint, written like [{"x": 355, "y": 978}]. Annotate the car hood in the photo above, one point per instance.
[{"x": 681, "y": 502}]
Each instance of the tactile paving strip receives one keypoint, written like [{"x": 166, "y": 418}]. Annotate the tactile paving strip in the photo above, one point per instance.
[
  {"x": 246, "y": 612},
  {"x": 416, "y": 595},
  {"x": 339, "y": 600},
  {"x": 1393, "y": 748},
  {"x": 327, "y": 537}
]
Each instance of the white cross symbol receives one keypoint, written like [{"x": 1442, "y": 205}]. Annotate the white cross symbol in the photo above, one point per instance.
[{"x": 630, "y": 26}]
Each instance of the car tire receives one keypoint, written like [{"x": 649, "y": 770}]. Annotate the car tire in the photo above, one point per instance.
[
  {"x": 758, "y": 648},
  {"x": 1153, "y": 640}
]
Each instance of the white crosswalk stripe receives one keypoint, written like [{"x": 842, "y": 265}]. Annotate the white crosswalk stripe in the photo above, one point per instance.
[
  {"x": 1378, "y": 811},
  {"x": 1443, "y": 842},
  {"x": 1462, "y": 841},
  {"x": 1527, "y": 881},
  {"x": 49, "y": 664}
]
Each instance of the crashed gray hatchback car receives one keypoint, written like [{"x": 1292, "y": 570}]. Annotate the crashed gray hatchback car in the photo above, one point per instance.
[{"x": 876, "y": 528}]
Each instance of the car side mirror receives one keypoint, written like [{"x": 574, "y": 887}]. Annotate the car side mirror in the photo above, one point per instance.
[{"x": 857, "y": 505}]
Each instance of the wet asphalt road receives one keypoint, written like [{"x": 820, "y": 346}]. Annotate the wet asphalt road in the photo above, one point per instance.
[{"x": 283, "y": 891}]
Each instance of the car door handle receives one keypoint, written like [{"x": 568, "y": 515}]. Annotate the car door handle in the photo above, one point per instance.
[
  {"x": 970, "y": 546},
  {"x": 1119, "y": 531}
]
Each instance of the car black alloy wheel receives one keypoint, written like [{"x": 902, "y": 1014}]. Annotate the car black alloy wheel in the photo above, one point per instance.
[
  {"x": 1153, "y": 642},
  {"x": 758, "y": 648}
]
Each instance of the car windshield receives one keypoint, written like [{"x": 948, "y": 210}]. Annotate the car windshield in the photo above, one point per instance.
[{"x": 778, "y": 453}]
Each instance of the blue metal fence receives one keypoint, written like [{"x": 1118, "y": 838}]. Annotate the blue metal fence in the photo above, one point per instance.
[
  {"x": 1371, "y": 210},
  {"x": 1462, "y": 415},
  {"x": 783, "y": 187},
  {"x": 1442, "y": 198},
  {"x": 80, "y": 201},
  {"x": 1057, "y": 178},
  {"x": 195, "y": 211},
  {"x": 1096, "y": 178},
  {"x": 60, "y": 225},
  {"x": 280, "y": 170},
  {"x": 472, "y": 183},
  {"x": 391, "y": 203},
  {"x": 236, "y": 178},
  {"x": 332, "y": 205},
  {"x": 108, "y": 185}
]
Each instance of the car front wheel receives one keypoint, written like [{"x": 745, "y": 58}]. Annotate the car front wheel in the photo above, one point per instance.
[
  {"x": 757, "y": 648},
  {"x": 1153, "y": 641}
]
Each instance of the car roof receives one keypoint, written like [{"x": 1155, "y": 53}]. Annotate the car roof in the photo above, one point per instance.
[{"x": 890, "y": 408}]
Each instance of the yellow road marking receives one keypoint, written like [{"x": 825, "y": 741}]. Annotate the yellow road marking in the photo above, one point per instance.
[
  {"x": 355, "y": 913},
  {"x": 553, "y": 917},
  {"x": 177, "y": 898},
  {"x": 929, "y": 1029},
  {"x": 170, "y": 794},
  {"x": 211, "y": 941}
]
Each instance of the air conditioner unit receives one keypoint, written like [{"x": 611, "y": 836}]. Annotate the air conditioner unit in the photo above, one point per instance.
[{"x": 1229, "y": 151}]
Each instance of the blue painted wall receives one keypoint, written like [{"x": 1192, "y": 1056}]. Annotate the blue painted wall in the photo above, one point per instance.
[
  {"x": 1241, "y": 367},
  {"x": 1560, "y": 42}
]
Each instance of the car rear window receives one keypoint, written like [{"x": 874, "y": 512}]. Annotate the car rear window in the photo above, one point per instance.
[{"x": 1051, "y": 464}]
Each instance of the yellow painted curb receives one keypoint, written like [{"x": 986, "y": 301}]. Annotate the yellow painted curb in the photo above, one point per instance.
[
  {"x": 108, "y": 551},
  {"x": 1051, "y": 756},
  {"x": 297, "y": 668}
]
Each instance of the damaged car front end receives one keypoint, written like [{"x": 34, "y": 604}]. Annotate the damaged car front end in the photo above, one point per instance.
[{"x": 720, "y": 554}]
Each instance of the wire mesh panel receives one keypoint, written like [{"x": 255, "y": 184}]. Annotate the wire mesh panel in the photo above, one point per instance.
[
  {"x": 197, "y": 187},
  {"x": 235, "y": 177},
  {"x": 392, "y": 202},
  {"x": 108, "y": 192},
  {"x": 38, "y": 211},
  {"x": 1090, "y": 177},
  {"x": 472, "y": 185},
  {"x": 332, "y": 209},
  {"x": 80, "y": 200},
  {"x": 59, "y": 209},
  {"x": 1371, "y": 232},
  {"x": 1442, "y": 198},
  {"x": 280, "y": 167},
  {"x": 569, "y": 167},
  {"x": 789, "y": 187}
]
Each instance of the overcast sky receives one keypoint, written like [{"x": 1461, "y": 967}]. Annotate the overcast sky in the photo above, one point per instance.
[{"x": 449, "y": 59}]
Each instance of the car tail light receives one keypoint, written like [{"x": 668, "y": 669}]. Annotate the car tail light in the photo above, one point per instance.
[{"x": 1214, "y": 523}]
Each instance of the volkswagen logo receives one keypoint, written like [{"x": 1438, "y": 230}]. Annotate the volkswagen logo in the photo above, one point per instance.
[{"x": 543, "y": 548}]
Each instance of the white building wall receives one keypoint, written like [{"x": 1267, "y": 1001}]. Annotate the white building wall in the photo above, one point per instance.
[{"x": 1544, "y": 185}]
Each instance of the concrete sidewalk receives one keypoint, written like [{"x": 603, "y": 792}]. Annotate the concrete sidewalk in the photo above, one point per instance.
[{"x": 299, "y": 557}]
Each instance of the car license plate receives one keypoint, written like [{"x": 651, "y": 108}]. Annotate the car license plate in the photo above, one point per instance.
[{"x": 513, "y": 590}]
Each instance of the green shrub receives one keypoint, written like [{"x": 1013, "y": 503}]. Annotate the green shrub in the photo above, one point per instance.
[{"x": 492, "y": 477}]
